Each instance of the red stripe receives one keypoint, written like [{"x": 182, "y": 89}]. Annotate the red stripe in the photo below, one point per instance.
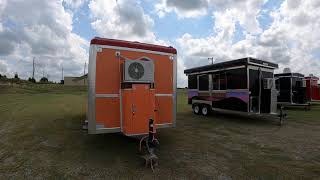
[{"x": 135, "y": 45}]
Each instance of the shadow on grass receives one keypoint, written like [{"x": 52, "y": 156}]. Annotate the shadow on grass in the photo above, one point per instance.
[
  {"x": 297, "y": 108},
  {"x": 244, "y": 119}
]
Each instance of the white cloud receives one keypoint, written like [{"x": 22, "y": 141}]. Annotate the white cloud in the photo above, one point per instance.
[
  {"x": 122, "y": 19},
  {"x": 74, "y": 4},
  {"x": 244, "y": 12},
  {"x": 3, "y": 67},
  {"x": 189, "y": 8},
  {"x": 40, "y": 29},
  {"x": 290, "y": 40}
]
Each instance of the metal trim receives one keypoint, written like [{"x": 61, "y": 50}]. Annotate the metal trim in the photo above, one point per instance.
[
  {"x": 203, "y": 91},
  {"x": 210, "y": 84},
  {"x": 174, "y": 121},
  {"x": 230, "y": 68},
  {"x": 120, "y": 95},
  {"x": 136, "y": 50},
  {"x": 290, "y": 77},
  {"x": 131, "y": 135},
  {"x": 194, "y": 101},
  {"x": 291, "y": 90},
  {"x": 242, "y": 113},
  {"x": 248, "y": 87},
  {"x": 107, "y": 95},
  {"x": 260, "y": 90},
  {"x": 107, "y": 130},
  {"x": 161, "y": 95},
  {"x": 263, "y": 69},
  {"x": 261, "y": 65},
  {"x": 222, "y": 91},
  {"x": 164, "y": 125},
  {"x": 92, "y": 90},
  {"x": 232, "y": 90}
]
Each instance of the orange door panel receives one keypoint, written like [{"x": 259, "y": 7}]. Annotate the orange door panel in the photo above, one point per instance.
[
  {"x": 107, "y": 72},
  {"x": 107, "y": 112},
  {"x": 164, "y": 109},
  {"x": 163, "y": 76},
  {"x": 127, "y": 102},
  {"x": 138, "y": 108}
]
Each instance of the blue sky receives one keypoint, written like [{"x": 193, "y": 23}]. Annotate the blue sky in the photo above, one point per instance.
[
  {"x": 57, "y": 33},
  {"x": 173, "y": 27}
]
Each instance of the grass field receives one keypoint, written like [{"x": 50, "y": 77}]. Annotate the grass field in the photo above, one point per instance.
[{"x": 41, "y": 138}]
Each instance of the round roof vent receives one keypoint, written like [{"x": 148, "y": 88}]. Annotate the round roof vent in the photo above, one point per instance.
[{"x": 286, "y": 70}]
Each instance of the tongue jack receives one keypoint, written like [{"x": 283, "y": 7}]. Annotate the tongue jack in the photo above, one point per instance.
[{"x": 151, "y": 143}]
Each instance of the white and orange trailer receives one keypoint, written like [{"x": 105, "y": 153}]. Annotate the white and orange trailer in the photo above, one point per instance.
[{"x": 129, "y": 84}]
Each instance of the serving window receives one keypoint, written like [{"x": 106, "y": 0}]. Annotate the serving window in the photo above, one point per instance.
[
  {"x": 237, "y": 78},
  {"x": 223, "y": 81},
  {"x": 192, "y": 82},
  {"x": 204, "y": 82},
  {"x": 215, "y": 82},
  {"x": 285, "y": 83}
]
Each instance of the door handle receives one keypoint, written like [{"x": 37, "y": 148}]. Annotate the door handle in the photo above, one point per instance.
[{"x": 133, "y": 108}]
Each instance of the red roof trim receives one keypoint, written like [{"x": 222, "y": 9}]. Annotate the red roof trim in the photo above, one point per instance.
[
  {"x": 312, "y": 77},
  {"x": 135, "y": 45}
]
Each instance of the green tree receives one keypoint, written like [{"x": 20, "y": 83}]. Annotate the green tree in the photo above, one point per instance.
[
  {"x": 16, "y": 76},
  {"x": 32, "y": 80},
  {"x": 44, "y": 80}
]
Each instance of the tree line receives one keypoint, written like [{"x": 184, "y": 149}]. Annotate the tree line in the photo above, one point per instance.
[{"x": 16, "y": 79}]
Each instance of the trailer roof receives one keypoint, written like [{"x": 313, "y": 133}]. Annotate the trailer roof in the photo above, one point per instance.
[
  {"x": 312, "y": 77},
  {"x": 233, "y": 63},
  {"x": 289, "y": 74},
  {"x": 133, "y": 44}
]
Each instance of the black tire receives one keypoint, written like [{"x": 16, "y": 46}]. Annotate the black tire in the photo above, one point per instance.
[
  {"x": 206, "y": 110},
  {"x": 196, "y": 108}
]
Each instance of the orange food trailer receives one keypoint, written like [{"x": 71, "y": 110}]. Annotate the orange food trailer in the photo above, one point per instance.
[{"x": 129, "y": 84}]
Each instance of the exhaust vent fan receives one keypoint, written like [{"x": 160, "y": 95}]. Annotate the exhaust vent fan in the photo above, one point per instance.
[
  {"x": 136, "y": 71},
  {"x": 139, "y": 71}
]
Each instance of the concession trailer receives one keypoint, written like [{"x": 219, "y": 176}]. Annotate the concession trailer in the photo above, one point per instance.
[
  {"x": 243, "y": 85},
  {"x": 291, "y": 89},
  {"x": 132, "y": 87},
  {"x": 313, "y": 93}
]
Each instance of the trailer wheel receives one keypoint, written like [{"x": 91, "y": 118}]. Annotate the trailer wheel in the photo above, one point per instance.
[
  {"x": 196, "y": 108},
  {"x": 205, "y": 110}
]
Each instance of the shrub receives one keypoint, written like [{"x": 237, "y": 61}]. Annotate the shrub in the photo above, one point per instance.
[
  {"x": 44, "y": 80},
  {"x": 32, "y": 80},
  {"x": 16, "y": 76}
]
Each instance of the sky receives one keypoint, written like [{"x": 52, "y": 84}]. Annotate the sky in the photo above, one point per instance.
[{"x": 57, "y": 33}]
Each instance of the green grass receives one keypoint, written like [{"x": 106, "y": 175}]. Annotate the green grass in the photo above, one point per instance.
[{"x": 41, "y": 136}]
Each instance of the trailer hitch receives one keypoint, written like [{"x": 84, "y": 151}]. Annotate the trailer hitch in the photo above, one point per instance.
[
  {"x": 148, "y": 146},
  {"x": 282, "y": 115}
]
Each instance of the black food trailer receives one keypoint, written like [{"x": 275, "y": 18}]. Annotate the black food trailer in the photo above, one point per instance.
[
  {"x": 291, "y": 89},
  {"x": 243, "y": 85}
]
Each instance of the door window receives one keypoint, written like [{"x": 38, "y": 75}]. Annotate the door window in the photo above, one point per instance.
[{"x": 204, "y": 82}]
